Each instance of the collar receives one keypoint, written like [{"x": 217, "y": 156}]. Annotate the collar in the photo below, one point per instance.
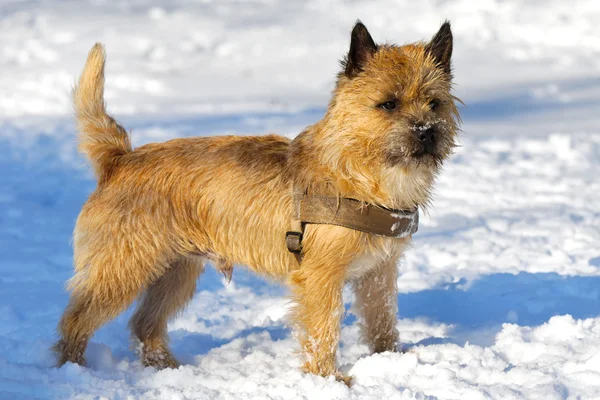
[{"x": 350, "y": 213}]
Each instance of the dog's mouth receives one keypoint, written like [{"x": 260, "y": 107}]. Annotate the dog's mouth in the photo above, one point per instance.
[
  {"x": 425, "y": 151},
  {"x": 418, "y": 158},
  {"x": 420, "y": 149},
  {"x": 427, "y": 158}
]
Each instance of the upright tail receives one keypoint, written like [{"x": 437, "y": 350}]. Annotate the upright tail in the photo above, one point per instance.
[{"x": 101, "y": 138}]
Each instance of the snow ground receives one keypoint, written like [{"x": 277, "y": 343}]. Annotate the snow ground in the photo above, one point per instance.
[{"x": 500, "y": 296}]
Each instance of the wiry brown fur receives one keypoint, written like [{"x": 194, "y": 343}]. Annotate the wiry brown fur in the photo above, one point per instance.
[{"x": 162, "y": 209}]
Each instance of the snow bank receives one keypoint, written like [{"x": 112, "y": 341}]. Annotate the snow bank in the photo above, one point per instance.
[{"x": 226, "y": 57}]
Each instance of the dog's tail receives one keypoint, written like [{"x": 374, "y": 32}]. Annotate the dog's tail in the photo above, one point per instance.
[{"x": 101, "y": 138}]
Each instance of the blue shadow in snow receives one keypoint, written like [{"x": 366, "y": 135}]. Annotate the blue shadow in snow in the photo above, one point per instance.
[
  {"x": 522, "y": 101},
  {"x": 186, "y": 345},
  {"x": 241, "y": 123},
  {"x": 525, "y": 298}
]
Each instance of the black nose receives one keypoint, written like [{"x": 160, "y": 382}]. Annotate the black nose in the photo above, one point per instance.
[{"x": 427, "y": 137}]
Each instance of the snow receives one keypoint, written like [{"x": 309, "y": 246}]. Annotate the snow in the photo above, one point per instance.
[
  {"x": 412, "y": 227},
  {"x": 500, "y": 295}
]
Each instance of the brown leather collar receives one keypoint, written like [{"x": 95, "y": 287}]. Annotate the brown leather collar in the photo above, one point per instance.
[{"x": 350, "y": 213}]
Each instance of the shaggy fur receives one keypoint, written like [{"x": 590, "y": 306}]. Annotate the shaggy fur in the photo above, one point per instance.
[{"x": 160, "y": 211}]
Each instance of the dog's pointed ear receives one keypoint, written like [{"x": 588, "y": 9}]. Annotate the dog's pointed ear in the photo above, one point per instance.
[
  {"x": 440, "y": 47},
  {"x": 362, "y": 47}
]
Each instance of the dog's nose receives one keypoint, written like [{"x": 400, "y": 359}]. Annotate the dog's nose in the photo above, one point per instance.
[{"x": 427, "y": 137}]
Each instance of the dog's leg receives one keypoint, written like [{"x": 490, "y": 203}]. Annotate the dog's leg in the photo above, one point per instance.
[
  {"x": 317, "y": 288},
  {"x": 376, "y": 303},
  {"x": 75, "y": 328},
  {"x": 110, "y": 275},
  {"x": 163, "y": 299},
  {"x": 90, "y": 307}
]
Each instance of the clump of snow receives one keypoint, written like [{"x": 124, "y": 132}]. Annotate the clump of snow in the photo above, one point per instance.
[{"x": 411, "y": 228}]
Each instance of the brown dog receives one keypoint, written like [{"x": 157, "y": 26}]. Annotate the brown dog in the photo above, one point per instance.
[{"x": 162, "y": 209}]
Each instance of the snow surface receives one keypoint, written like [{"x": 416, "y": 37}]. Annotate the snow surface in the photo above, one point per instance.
[{"x": 500, "y": 296}]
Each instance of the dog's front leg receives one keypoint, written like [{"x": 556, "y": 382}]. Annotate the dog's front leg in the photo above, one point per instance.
[
  {"x": 317, "y": 288},
  {"x": 376, "y": 303}
]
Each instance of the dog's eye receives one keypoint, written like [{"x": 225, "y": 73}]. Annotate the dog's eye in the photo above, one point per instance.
[
  {"x": 388, "y": 105},
  {"x": 434, "y": 105}
]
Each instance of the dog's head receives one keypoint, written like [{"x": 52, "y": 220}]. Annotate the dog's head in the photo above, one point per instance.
[{"x": 393, "y": 104}]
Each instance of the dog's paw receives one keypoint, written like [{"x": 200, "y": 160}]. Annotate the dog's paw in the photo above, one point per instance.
[
  {"x": 345, "y": 379},
  {"x": 66, "y": 352},
  {"x": 328, "y": 374},
  {"x": 159, "y": 360}
]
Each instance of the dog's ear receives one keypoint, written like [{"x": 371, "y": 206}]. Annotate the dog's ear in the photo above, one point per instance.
[
  {"x": 440, "y": 47},
  {"x": 362, "y": 47}
]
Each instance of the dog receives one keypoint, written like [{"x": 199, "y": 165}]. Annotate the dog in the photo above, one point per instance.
[{"x": 162, "y": 210}]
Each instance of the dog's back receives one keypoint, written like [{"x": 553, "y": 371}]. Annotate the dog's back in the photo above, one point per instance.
[{"x": 197, "y": 196}]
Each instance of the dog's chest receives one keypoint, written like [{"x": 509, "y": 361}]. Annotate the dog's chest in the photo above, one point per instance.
[{"x": 366, "y": 262}]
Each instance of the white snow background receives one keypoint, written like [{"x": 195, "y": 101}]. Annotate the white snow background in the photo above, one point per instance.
[{"x": 500, "y": 295}]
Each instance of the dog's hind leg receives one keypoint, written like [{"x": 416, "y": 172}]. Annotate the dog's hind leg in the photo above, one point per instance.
[
  {"x": 88, "y": 310},
  {"x": 163, "y": 300},
  {"x": 110, "y": 275}
]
